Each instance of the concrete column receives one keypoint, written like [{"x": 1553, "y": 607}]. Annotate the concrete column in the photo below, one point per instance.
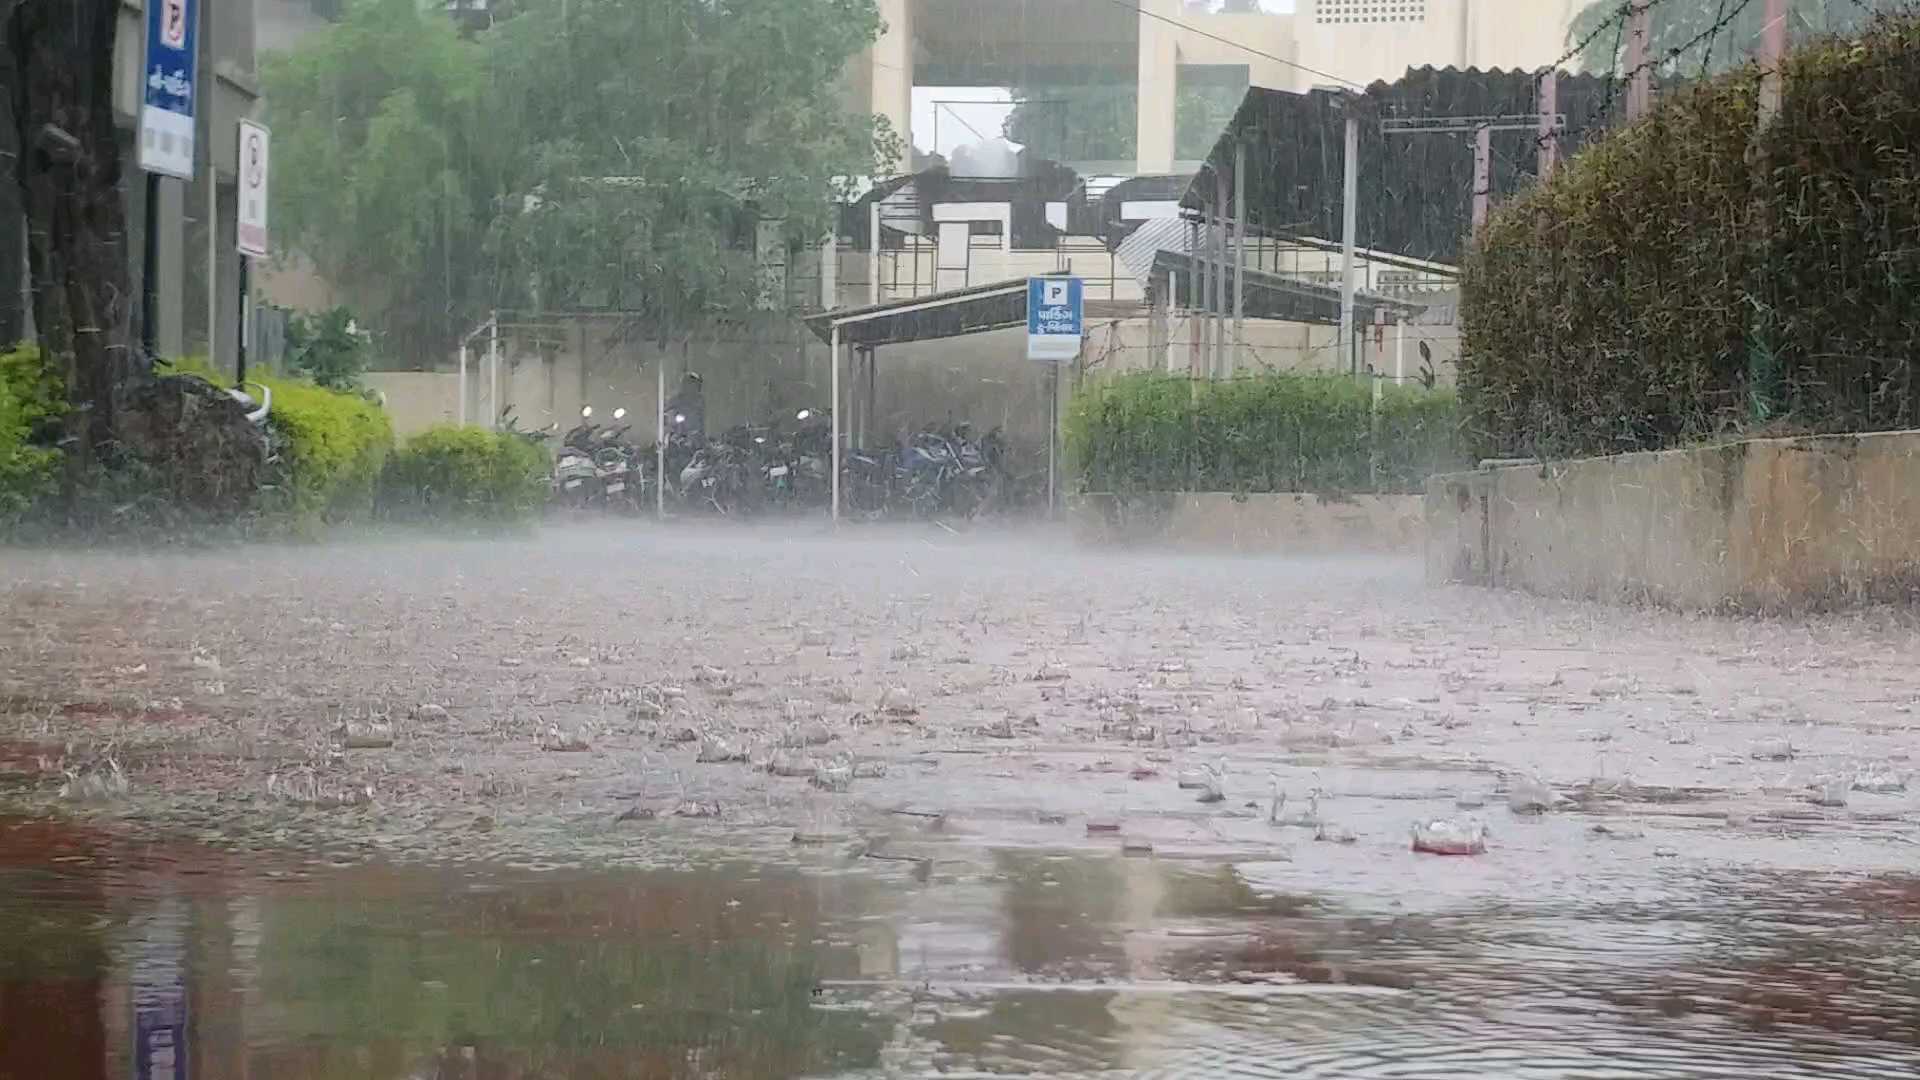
[
  {"x": 892, "y": 89},
  {"x": 1158, "y": 81}
]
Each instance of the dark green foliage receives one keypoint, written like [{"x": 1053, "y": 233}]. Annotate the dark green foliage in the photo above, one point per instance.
[
  {"x": 1661, "y": 290},
  {"x": 329, "y": 348},
  {"x": 31, "y": 397},
  {"x": 466, "y": 473},
  {"x": 1270, "y": 433}
]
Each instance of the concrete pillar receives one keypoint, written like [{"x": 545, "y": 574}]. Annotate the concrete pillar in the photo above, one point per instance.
[
  {"x": 892, "y": 87},
  {"x": 1158, "y": 82}
]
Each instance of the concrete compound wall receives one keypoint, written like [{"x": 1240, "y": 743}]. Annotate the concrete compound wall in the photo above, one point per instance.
[
  {"x": 1267, "y": 524},
  {"x": 1767, "y": 524}
]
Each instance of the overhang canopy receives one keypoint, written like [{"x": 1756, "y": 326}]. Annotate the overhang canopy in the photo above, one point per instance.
[
  {"x": 1276, "y": 296},
  {"x": 972, "y": 310}
]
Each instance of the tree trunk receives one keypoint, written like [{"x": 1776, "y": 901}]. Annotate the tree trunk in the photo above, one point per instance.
[{"x": 59, "y": 80}]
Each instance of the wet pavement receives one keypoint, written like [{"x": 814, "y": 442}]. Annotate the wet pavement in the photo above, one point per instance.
[{"x": 968, "y": 835}]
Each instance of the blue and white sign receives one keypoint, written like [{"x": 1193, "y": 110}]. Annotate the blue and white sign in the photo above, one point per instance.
[
  {"x": 1055, "y": 318},
  {"x": 167, "y": 89}
]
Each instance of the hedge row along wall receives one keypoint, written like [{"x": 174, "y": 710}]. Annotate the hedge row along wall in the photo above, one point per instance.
[
  {"x": 1271, "y": 433},
  {"x": 1661, "y": 289}
]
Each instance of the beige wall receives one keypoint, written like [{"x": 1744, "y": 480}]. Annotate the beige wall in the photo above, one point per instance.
[{"x": 1763, "y": 524}]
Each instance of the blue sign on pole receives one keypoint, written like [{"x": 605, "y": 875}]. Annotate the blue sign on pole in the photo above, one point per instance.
[
  {"x": 166, "y": 101},
  {"x": 1055, "y": 318}
]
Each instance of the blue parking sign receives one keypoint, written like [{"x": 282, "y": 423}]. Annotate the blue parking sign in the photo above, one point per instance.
[
  {"x": 167, "y": 89},
  {"x": 1055, "y": 318}
]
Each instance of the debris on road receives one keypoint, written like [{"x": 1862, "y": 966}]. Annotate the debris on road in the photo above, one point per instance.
[{"x": 1446, "y": 837}]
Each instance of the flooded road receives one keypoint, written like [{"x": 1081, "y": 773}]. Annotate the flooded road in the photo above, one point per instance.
[
  {"x": 972, "y": 806},
  {"x": 1006, "y": 962}
]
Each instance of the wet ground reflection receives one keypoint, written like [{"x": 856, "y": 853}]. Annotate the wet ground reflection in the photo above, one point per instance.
[{"x": 1002, "y": 962}]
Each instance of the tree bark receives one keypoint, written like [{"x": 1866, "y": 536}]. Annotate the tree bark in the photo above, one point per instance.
[{"x": 59, "y": 81}]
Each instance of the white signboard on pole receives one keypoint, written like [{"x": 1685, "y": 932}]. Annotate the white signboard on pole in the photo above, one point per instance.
[
  {"x": 254, "y": 147},
  {"x": 1055, "y": 318}
]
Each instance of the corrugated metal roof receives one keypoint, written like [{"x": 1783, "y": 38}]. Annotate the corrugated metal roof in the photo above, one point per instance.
[{"x": 1415, "y": 190}]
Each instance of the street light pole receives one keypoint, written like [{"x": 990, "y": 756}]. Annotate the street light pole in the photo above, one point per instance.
[{"x": 1349, "y": 212}]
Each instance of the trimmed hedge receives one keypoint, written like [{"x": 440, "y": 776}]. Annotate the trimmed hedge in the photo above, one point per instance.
[
  {"x": 31, "y": 397},
  {"x": 331, "y": 447},
  {"x": 1148, "y": 432},
  {"x": 467, "y": 473},
  {"x": 1661, "y": 289}
]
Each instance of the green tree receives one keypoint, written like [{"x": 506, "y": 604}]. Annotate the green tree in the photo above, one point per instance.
[
  {"x": 384, "y": 172},
  {"x": 329, "y": 348},
  {"x": 578, "y": 152},
  {"x": 1692, "y": 37}
]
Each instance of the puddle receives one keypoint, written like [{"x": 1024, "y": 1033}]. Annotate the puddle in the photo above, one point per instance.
[{"x": 1002, "y": 962}]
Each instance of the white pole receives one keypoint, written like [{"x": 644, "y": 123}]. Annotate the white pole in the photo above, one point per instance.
[
  {"x": 493, "y": 372},
  {"x": 1053, "y": 438},
  {"x": 660, "y": 438},
  {"x": 830, "y": 270},
  {"x": 1400, "y": 351},
  {"x": 1173, "y": 294},
  {"x": 834, "y": 412},
  {"x": 1773, "y": 45},
  {"x": 1349, "y": 210},
  {"x": 1482, "y": 176},
  {"x": 1239, "y": 255},
  {"x": 873, "y": 253},
  {"x": 213, "y": 255},
  {"x": 463, "y": 381}
]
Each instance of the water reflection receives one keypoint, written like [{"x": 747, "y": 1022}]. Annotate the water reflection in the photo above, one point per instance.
[{"x": 1006, "y": 962}]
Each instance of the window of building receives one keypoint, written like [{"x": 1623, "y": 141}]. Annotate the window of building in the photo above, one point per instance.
[{"x": 1370, "y": 11}]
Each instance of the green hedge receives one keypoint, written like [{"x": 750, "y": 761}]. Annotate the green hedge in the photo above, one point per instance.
[
  {"x": 467, "y": 473},
  {"x": 1270, "y": 433},
  {"x": 31, "y": 396},
  {"x": 331, "y": 445},
  {"x": 1662, "y": 289}
]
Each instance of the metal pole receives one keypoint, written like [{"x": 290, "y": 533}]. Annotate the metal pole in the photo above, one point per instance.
[
  {"x": 830, "y": 269},
  {"x": 1349, "y": 200},
  {"x": 1203, "y": 267},
  {"x": 1639, "y": 72},
  {"x": 150, "y": 274},
  {"x": 1773, "y": 46},
  {"x": 213, "y": 254},
  {"x": 1400, "y": 351},
  {"x": 1173, "y": 300},
  {"x": 1219, "y": 366},
  {"x": 660, "y": 439},
  {"x": 463, "y": 380},
  {"x": 1053, "y": 436},
  {"x": 873, "y": 252},
  {"x": 493, "y": 372},
  {"x": 1482, "y": 175},
  {"x": 834, "y": 413},
  {"x": 1549, "y": 127},
  {"x": 1239, "y": 254},
  {"x": 240, "y": 361},
  {"x": 873, "y": 396}
]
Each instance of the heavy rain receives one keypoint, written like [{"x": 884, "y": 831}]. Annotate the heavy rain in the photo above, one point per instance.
[{"x": 890, "y": 538}]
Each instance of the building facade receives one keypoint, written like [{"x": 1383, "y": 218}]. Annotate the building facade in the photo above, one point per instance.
[
  {"x": 1159, "y": 46},
  {"x": 199, "y": 280}
]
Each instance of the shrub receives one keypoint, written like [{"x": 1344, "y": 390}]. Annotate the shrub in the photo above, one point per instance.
[
  {"x": 467, "y": 473},
  {"x": 331, "y": 446},
  {"x": 31, "y": 398},
  {"x": 1660, "y": 288},
  {"x": 1269, "y": 433}
]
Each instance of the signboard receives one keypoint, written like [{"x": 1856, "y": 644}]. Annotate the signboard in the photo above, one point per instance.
[
  {"x": 1055, "y": 318},
  {"x": 252, "y": 231},
  {"x": 167, "y": 93},
  {"x": 158, "y": 975}
]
